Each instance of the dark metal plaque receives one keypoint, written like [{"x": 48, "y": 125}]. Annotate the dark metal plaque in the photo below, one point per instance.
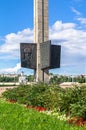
[
  {"x": 55, "y": 56},
  {"x": 45, "y": 54},
  {"x": 28, "y": 55}
]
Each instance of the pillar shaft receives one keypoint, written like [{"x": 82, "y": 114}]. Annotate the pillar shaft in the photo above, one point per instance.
[{"x": 40, "y": 34}]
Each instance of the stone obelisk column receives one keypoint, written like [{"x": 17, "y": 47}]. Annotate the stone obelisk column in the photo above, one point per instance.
[{"x": 40, "y": 34}]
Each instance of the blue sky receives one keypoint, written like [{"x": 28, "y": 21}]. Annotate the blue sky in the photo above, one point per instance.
[{"x": 67, "y": 27}]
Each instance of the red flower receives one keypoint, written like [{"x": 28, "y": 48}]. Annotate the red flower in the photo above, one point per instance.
[
  {"x": 38, "y": 108},
  {"x": 77, "y": 121},
  {"x": 12, "y": 101}
]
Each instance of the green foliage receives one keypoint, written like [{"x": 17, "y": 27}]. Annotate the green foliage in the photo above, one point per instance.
[
  {"x": 61, "y": 79},
  {"x": 80, "y": 79},
  {"x": 71, "y": 101},
  {"x": 35, "y": 95},
  {"x": 16, "y": 117},
  {"x": 30, "y": 78},
  {"x": 8, "y": 79},
  {"x": 10, "y": 94}
]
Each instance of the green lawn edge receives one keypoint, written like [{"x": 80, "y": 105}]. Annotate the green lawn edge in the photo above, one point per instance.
[{"x": 17, "y": 117}]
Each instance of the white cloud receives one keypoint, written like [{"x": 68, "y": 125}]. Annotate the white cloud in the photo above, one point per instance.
[
  {"x": 12, "y": 41},
  {"x": 59, "y": 26},
  {"x": 75, "y": 11},
  {"x": 72, "y": 40},
  {"x": 82, "y": 20},
  {"x": 11, "y": 70},
  {"x": 62, "y": 30}
]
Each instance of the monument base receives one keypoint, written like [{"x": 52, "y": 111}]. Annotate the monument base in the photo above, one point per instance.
[
  {"x": 42, "y": 76},
  {"x": 46, "y": 76}
]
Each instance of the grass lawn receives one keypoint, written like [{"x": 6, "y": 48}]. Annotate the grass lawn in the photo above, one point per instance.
[{"x": 17, "y": 117}]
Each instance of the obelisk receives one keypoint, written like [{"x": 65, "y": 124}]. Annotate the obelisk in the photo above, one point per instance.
[{"x": 40, "y": 35}]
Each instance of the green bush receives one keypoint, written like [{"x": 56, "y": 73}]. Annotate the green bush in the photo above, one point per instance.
[
  {"x": 68, "y": 97},
  {"x": 8, "y": 79},
  {"x": 35, "y": 95},
  {"x": 71, "y": 101}
]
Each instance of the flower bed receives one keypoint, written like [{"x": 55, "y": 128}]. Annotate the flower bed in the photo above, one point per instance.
[
  {"x": 77, "y": 121},
  {"x": 41, "y": 97},
  {"x": 38, "y": 108}
]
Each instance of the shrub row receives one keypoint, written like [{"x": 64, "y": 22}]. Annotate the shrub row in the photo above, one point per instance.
[
  {"x": 34, "y": 95},
  {"x": 71, "y": 101}
]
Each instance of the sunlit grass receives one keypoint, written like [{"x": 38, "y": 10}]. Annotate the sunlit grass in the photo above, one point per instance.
[{"x": 17, "y": 117}]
